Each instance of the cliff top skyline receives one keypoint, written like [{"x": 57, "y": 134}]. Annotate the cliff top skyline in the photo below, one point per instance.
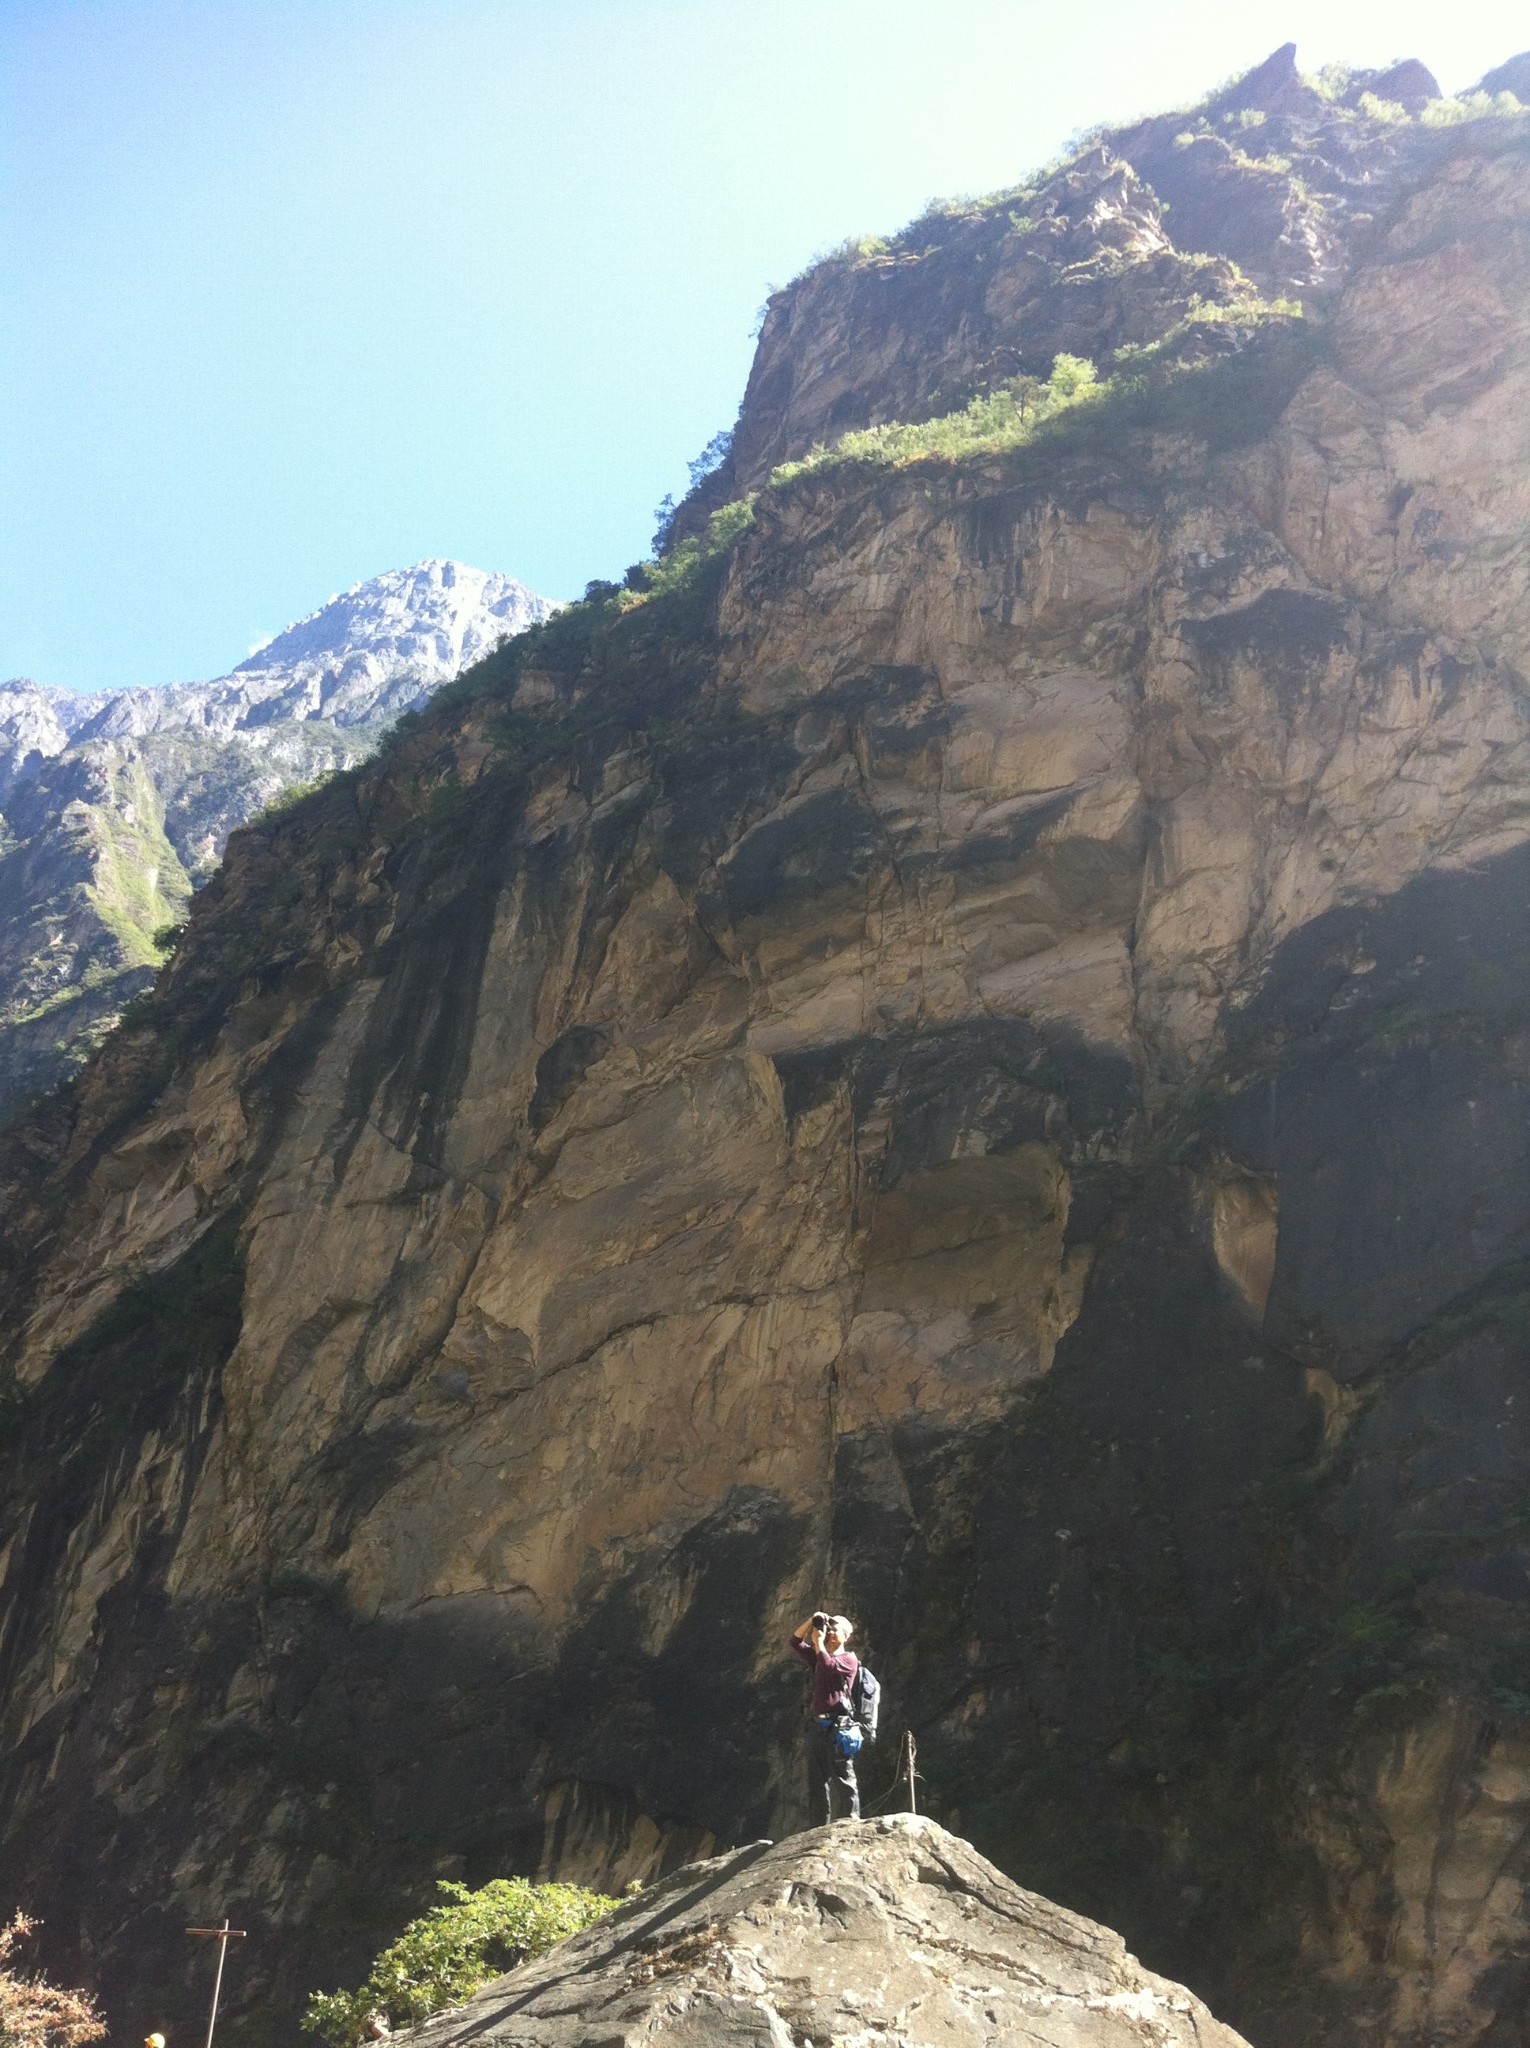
[{"x": 303, "y": 291}]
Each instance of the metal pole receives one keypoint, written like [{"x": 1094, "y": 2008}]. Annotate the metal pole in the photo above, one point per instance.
[
  {"x": 913, "y": 1797},
  {"x": 223, "y": 1936},
  {"x": 212, "y": 2017}
]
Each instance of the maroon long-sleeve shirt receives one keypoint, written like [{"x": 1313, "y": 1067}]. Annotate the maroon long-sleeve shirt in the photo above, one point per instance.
[{"x": 832, "y": 1676}]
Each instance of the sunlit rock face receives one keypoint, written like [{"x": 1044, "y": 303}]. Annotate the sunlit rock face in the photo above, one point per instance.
[
  {"x": 972, "y": 1066},
  {"x": 887, "y": 1930}
]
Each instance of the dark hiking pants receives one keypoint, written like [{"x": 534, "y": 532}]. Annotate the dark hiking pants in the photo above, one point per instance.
[{"x": 831, "y": 1778}]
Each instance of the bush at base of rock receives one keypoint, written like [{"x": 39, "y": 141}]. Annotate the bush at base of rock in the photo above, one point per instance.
[
  {"x": 444, "y": 1956},
  {"x": 35, "y": 2013}
]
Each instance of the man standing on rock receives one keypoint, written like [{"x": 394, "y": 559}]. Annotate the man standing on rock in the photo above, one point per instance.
[{"x": 821, "y": 1642}]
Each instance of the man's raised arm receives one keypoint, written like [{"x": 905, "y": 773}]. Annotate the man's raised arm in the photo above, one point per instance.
[{"x": 807, "y": 1641}]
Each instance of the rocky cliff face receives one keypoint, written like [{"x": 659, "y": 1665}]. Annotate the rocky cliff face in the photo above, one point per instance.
[
  {"x": 116, "y": 804},
  {"x": 969, "y": 1059},
  {"x": 1276, "y": 182}
]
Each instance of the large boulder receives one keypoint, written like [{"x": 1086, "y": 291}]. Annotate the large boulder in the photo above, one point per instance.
[{"x": 887, "y": 1931}]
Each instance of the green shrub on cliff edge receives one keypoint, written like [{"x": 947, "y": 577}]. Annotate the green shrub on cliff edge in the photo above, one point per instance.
[
  {"x": 994, "y": 421},
  {"x": 1185, "y": 381},
  {"x": 679, "y": 569},
  {"x": 444, "y": 1956}
]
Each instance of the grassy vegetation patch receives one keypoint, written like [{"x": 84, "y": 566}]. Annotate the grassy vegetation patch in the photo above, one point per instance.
[
  {"x": 1469, "y": 106},
  {"x": 139, "y": 883},
  {"x": 1335, "y": 82},
  {"x": 992, "y": 423},
  {"x": 1223, "y": 373}
]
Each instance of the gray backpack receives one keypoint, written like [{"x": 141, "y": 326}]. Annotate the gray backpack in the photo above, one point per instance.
[{"x": 865, "y": 1702}]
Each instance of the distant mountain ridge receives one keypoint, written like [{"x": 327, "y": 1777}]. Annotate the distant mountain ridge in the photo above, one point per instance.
[
  {"x": 371, "y": 651},
  {"x": 115, "y": 802}
]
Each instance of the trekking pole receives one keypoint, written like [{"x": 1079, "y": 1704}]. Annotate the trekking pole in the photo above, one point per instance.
[{"x": 223, "y": 1936}]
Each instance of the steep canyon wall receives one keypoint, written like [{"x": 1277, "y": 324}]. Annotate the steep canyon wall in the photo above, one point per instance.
[{"x": 971, "y": 1062}]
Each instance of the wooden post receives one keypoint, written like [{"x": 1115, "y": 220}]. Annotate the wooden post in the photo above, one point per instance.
[{"x": 223, "y": 1936}]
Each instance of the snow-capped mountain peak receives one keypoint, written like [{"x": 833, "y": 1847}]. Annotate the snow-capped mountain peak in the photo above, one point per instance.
[
  {"x": 371, "y": 652},
  {"x": 441, "y": 614}
]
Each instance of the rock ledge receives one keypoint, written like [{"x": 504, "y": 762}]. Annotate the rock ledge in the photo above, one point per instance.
[{"x": 886, "y": 1933}]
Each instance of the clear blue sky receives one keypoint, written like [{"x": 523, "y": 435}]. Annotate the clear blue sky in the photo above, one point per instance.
[{"x": 296, "y": 291}]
